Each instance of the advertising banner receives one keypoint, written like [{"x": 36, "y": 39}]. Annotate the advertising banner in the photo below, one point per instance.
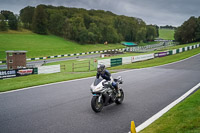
[
  {"x": 127, "y": 60},
  {"x": 49, "y": 69},
  {"x": 106, "y": 62},
  {"x": 116, "y": 62},
  {"x": 142, "y": 57},
  {"x": 7, "y": 74},
  {"x": 161, "y": 54},
  {"x": 23, "y": 72}
]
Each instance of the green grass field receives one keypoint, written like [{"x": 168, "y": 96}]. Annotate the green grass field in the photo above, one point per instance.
[
  {"x": 183, "y": 118},
  {"x": 45, "y": 45},
  {"x": 167, "y": 34}
]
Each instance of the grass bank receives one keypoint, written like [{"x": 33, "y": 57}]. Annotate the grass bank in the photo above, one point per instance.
[
  {"x": 183, "y": 118},
  {"x": 33, "y": 80},
  {"x": 45, "y": 45},
  {"x": 167, "y": 34}
]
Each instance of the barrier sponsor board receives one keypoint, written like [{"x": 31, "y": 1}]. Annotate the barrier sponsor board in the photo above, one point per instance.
[
  {"x": 17, "y": 72},
  {"x": 7, "y": 74},
  {"x": 161, "y": 54},
  {"x": 127, "y": 60},
  {"x": 106, "y": 62},
  {"x": 24, "y": 72},
  {"x": 48, "y": 69},
  {"x": 142, "y": 57},
  {"x": 116, "y": 62}
]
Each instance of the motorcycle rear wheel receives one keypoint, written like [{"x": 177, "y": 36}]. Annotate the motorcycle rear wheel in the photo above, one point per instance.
[{"x": 96, "y": 106}]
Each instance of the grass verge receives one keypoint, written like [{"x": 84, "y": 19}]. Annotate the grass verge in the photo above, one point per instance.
[
  {"x": 183, "y": 118},
  {"x": 33, "y": 80}
]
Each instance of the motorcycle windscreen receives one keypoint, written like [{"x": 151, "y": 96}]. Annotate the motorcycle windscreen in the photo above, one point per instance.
[{"x": 97, "y": 81}]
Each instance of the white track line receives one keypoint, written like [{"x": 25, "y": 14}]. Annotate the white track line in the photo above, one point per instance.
[
  {"x": 167, "y": 108},
  {"x": 90, "y": 77}
]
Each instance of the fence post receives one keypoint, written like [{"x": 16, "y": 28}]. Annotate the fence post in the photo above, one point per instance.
[
  {"x": 72, "y": 67},
  {"x": 89, "y": 65}
]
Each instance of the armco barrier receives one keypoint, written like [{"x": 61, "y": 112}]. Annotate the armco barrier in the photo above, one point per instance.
[
  {"x": 130, "y": 59},
  {"x": 125, "y": 60}
]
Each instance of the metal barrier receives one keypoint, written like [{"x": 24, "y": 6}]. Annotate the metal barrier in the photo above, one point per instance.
[
  {"x": 63, "y": 67},
  {"x": 80, "y": 65}
]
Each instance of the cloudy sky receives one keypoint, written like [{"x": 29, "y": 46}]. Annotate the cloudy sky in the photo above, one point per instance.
[{"x": 160, "y": 12}]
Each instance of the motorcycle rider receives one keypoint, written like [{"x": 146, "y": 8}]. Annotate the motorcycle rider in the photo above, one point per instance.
[{"x": 105, "y": 74}]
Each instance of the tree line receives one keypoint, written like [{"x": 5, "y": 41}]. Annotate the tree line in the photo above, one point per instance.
[
  {"x": 189, "y": 31},
  {"x": 168, "y": 27},
  {"x": 86, "y": 26},
  {"x": 8, "y": 21}
]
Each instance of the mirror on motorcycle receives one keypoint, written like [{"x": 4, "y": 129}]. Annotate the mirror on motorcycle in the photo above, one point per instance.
[{"x": 120, "y": 79}]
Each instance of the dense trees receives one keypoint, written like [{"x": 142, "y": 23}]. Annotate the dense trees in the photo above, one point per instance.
[
  {"x": 3, "y": 25},
  {"x": 6, "y": 14},
  {"x": 151, "y": 32},
  {"x": 12, "y": 22},
  {"x": 8, "y": 20},
  {"x": 167, "y": 27},
  {"x": 86, "y": 26},
  {"x": 40, "y": 20},
  {"x": 189, "y": 31},
  {"x": 26, "y": 16}
]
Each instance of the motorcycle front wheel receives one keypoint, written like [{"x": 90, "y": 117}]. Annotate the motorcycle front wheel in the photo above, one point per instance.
[
  {"x": 120, "y": 99},
  {"x": 96, "y": 106}
]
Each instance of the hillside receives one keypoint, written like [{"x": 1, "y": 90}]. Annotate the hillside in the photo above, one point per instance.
[
  {"x": 45, "y": 45},
  {"x": 167, "y": 34}
]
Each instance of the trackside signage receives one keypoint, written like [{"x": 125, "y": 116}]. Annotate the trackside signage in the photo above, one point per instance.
[
  {"x": 24, "y": 72},
  {"x": 162, "y": 54},
  {"x": 142, "y": 57},
  {"x": 7, "y": 74},
  {"x": 49, "y": 69},
  {"x": 127, "y": 60},
  {"x": 106, "y": 62}
]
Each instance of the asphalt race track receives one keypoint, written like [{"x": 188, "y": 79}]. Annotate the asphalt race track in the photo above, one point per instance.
[{"x": 65, "y": 107}]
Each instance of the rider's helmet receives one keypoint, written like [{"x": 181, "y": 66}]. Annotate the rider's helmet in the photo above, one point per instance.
[{"x": 100, "y": 68}]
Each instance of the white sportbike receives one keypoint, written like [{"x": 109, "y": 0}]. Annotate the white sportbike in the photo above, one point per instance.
[{"x": 105, "y": 94}]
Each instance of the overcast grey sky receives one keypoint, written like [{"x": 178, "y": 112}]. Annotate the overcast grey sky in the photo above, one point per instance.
[{"x": 160, "y": 12}]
